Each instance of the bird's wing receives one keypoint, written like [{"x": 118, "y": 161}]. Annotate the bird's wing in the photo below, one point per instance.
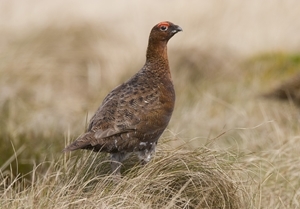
[{"x": 115, "y": 115}]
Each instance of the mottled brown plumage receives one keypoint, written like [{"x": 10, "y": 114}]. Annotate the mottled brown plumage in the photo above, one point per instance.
[{"x": 133, "y": 116}]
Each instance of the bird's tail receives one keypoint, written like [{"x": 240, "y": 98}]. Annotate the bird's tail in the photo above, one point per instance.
[{"x": 81, "y": 142}]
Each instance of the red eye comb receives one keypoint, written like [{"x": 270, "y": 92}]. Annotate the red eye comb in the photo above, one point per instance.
[{"x": 163, "y": 24}]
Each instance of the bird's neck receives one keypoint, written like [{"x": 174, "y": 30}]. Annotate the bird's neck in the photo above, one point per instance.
[
  {"x": 157, "y": 58},
  {"x": 157, "y": 51}
]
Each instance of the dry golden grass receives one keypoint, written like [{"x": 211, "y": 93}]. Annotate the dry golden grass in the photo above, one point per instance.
[
  {"x": 176, "y": 178},
  {"x": 224, "y": 148}
]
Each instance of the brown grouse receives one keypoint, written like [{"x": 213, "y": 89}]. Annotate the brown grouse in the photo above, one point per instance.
[{"x": 133, "y": 116}]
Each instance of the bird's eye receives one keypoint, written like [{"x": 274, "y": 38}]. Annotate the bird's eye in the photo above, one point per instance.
[{"x": 163, "y": 28}]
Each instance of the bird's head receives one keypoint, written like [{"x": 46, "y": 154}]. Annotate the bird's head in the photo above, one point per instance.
[{"x": 163, "y": 31}]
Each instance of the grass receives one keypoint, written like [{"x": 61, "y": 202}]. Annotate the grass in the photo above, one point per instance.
[
  {"x": 225, "y": 147},
  {"x": 177, "y": 178}
]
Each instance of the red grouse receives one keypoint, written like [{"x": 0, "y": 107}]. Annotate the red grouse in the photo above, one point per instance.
[{"x": 133, "y": 116}]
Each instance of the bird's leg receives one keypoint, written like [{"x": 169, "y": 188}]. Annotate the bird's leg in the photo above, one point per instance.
[
  {"x": 116, "y": 162},
  {"x": 146, "y": 154}
]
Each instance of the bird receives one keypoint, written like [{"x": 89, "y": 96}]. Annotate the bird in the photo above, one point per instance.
[{"x": 133, "y": 116}]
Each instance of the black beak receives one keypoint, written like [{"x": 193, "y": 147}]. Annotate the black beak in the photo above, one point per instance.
[{"x": 176, "y": 29}]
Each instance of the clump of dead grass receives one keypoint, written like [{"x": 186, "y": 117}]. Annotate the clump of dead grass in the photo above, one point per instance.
[{"x": 176, "y": 178}]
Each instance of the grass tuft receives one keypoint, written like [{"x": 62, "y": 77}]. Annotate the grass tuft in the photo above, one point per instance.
[{"x": 176, "y": 178}]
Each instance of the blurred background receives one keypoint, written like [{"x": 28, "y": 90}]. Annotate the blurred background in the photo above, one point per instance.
[{"x": 59, "y": 59}]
